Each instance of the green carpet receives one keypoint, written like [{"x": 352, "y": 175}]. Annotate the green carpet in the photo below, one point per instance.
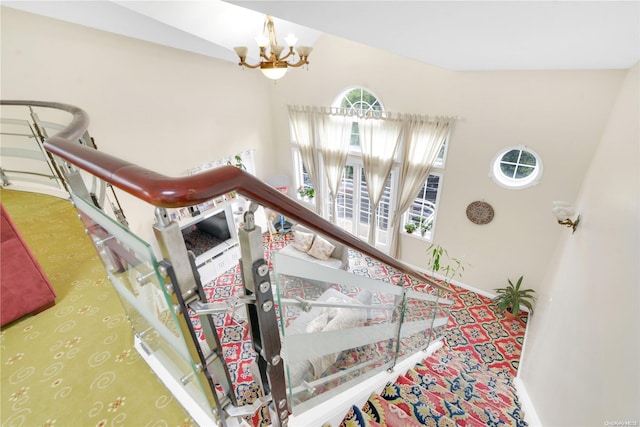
[{"x": 74, "y": 364}]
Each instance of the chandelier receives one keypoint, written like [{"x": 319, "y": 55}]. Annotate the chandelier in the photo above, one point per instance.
[{"x": 273, "y": 63}]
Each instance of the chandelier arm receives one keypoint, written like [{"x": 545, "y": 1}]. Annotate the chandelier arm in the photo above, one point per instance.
[
  {"x": 263, "y": 53},
  {"x": 242, "y": 63},
  {"x": 290, "y": 53},
  {"x": 301, "y": 62}
]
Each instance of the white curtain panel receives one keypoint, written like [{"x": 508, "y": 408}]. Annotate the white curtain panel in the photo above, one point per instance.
[
  {"x": 423, "y": 140},
  {"x": 334, "y": 132},
  {"x": 378, "y": 142},
  {"x": 303, "y": 131}
]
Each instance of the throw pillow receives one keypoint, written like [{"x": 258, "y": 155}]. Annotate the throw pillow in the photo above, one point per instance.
[
  {"x": 343, "y": 318},
  {"x": 321, "y": 248},
  {"x": 302, "y": 241}
]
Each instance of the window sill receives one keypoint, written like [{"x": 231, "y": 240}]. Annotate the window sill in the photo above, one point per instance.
[{"x": 418, "y": 236}]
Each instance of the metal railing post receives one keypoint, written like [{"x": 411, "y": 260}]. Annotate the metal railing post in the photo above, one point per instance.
[
  {"x": 262, "y": 318},
  {"x": 186, "y": 292}
]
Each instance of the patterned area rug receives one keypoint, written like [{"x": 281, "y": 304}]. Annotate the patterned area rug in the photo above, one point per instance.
[
  {"x": 448, "y": 388},
  {"x": 477, "y": 327}
]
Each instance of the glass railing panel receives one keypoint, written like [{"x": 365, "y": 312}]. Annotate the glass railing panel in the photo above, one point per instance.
[
  {"x": 172, "y": 361},
  {"x": 134, "y": 273},
  {"x": 336, "y": 328},
  {"x": 441, "y": 318},
  {"x": 420, "y": 309},
  {"x": 23, "y": 158}
]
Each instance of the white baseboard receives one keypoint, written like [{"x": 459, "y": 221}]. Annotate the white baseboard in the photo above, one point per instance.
[
  {"x": 455, "y": 282},
  {"x": 460, "y": 284},
  {"x": 530, "y": 414}
]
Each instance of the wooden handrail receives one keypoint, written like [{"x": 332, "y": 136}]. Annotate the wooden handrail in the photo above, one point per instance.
[{"x": 174, "y": 192}]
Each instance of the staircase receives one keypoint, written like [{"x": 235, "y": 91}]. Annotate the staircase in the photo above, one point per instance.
[
  {"x": 381, "y": 311},
  {"x": 449, "y": 388}
]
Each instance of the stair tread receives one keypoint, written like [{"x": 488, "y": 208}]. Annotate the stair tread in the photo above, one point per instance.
[
  {"x": 453, "y": 369},
  {"x": 388, "y": 414},
  {"x": 467, "y": 362},
  {"x": 358, "y": 418},
  {"x": 467, "y": 385},
  {"x": 446, "y": 403},
  {"x": 419, "y": 410},
  {"x": 495, "y": 411}
]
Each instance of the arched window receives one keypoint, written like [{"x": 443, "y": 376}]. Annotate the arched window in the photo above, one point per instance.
[
  {"x": 353, "y": 205},
  {"x": 360, "y": 100}
]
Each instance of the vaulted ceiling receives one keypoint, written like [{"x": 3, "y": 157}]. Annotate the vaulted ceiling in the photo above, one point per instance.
[{"x": 456, "y": 35}]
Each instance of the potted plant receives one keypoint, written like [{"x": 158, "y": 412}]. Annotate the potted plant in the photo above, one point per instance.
[
  {"x": 238, "y": 162},
  {"x": 232, "y": 195},
  {"x": 306, "y": 191},
  {"x": 410, "y": 227},
  {"x": 511, "y": 297},
  {"x": 424, "y": 227},
  {"x": 436, "y": 263},
  {"x": 424, "y": 224}
]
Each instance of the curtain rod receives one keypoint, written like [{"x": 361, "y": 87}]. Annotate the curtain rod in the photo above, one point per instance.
[{"x": 386, "y": 115}]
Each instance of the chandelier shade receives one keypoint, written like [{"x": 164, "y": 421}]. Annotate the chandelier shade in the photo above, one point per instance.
[{"x": 273, "y": 63}]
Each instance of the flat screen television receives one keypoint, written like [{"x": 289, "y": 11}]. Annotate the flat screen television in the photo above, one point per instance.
[{"x": 215, "y": 231}]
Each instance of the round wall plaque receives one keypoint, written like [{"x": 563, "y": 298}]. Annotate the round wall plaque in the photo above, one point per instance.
[{"x": 480, "y": 212}]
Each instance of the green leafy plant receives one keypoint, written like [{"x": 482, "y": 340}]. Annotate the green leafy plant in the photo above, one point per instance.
[
  {"x": 425, "y": 227},
  {"x": 438, "y": 256},
  {"x": 306, "y": 191},
  {"x": 511, "y": 297},
  {"x": 238, "y": 162},
  {"x": 423, "y": 224},
  {"x": 410, "y": 227}
]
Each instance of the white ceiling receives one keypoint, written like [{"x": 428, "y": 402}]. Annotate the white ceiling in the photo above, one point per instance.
[{"x": 456, "y": 35}]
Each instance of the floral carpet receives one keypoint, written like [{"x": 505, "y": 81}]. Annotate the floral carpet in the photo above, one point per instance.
[
  {"x": 477, "y": 327},
  {"x": 447, "y": 389}
]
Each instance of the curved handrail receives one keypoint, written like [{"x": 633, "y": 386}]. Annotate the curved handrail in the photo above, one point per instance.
[{"x": 173, "y": 192}]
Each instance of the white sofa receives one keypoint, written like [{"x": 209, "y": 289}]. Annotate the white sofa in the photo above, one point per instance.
[{"x": 338, "y": 259}]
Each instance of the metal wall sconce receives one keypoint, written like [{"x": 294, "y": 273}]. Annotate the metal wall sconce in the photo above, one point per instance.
[{"x": 564, "y": 212}]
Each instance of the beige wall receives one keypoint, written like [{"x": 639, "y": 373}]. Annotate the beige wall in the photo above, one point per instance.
[
  {"x": 559, "y": 114},
  {"x": 170, "y": 110},
  {"x": 581, "y": 363},
  {"x": 158, "y": 107}
]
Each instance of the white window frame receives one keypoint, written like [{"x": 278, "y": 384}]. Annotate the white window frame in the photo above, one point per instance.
[
  {"x": 359, "y": 228},
  {"x": 355, "y": 148},
  {"x": 406, "y": 216},
  {"x": 298, "y": 167},
  {"x": 355, "y": 158},
  {"x": 512, "y": 183},
  {"x": 441, "y": 160}
]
